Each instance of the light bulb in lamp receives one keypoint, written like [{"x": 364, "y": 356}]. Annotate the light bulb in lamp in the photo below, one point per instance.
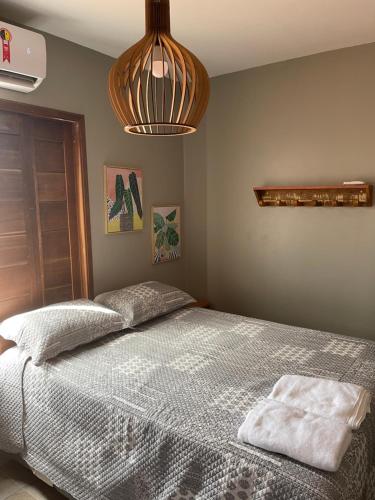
[{"x": 159, "y": 65}]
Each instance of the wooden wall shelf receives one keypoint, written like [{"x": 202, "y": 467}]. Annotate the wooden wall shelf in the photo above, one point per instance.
[{"x": 341, "y": 195}]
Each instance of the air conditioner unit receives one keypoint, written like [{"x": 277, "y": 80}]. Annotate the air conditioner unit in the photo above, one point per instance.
[{"x": 23, "y": 58}]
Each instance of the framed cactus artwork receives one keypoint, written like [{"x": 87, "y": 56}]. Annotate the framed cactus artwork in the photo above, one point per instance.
[
  {"x": 166, "y": 233},
  {"x": 123, "y": 194}
]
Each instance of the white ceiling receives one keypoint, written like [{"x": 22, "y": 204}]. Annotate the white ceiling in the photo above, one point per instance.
[{"x": 227, "y": 35}]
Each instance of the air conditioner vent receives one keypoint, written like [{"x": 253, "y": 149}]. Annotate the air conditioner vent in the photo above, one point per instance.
[{"x": 16, "y": 77}]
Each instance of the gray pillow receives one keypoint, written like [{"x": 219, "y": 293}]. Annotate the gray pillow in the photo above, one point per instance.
[
  {"x": 46, "y": 332},
  {"x": 140, "y": 303}
]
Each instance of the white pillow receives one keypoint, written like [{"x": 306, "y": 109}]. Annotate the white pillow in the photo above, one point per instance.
[
  {"x": 46, "y": 332},
  {"x": 140, "y": 303}
]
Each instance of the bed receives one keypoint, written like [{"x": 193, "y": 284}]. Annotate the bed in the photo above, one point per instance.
[{"x": 152, "y": 413}]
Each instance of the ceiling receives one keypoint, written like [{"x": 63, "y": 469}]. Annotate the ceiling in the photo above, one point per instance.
[{"x": 227, "y": 35}]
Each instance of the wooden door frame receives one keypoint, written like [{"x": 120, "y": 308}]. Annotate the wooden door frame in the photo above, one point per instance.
[{"x": 80, "y": 161}]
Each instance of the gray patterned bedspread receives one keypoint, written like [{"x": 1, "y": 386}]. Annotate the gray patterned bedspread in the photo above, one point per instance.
[{"x": 154, "y": 413}]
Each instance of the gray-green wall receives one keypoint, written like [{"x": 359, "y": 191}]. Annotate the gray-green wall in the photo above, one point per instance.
[
  {"x": 195, "y": 187},
  {"x": 77, "y": 82},
  {"x": 305, "y": 121}
]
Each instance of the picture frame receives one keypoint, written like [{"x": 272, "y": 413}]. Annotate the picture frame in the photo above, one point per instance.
[
  {"x": 166, "y": 234},
  {"x": 123, "y": 199}
]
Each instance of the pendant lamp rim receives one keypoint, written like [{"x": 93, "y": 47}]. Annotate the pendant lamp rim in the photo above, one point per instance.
[{"x": 134, "y": 129}]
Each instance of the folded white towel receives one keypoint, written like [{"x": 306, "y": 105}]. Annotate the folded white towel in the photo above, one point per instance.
[
  {"x": 306, "y": 437},
  {"x": 347, "y": 403}
]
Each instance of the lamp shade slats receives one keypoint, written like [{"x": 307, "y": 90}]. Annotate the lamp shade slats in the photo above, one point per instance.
[{"x": 158, "y": 87}]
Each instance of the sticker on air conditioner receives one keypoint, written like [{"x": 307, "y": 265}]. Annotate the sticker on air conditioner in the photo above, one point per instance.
[{"x": 6, "y": 38}]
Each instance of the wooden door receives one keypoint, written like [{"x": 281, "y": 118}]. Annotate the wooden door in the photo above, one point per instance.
[
  {"x": 55, "y": 193},
  {"x": 44, "y": 254},
  {"x": 20, "y": 286}
]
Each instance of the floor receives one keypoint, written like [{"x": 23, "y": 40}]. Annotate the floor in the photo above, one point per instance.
[{"x": 18, "y": 483}]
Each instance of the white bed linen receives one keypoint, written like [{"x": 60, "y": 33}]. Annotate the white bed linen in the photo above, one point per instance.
[
  {"x": 306, "y": 437},
  {"x": 12, "y": 364},
  {"x": 347, "y": 403}
]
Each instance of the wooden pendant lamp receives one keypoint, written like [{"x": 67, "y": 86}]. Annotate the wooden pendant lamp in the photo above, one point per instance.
[{"x": 157, "y": 87}]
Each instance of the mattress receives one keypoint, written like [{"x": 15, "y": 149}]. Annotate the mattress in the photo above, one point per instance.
[{"x": 153, "y": 413}]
